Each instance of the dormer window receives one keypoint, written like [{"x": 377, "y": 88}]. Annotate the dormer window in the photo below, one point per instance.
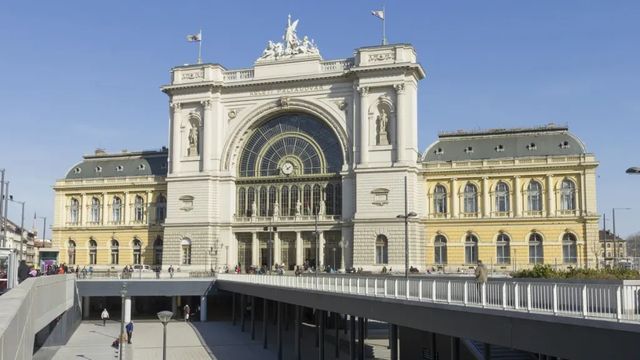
[
  {"x": 141, "y": 167},
  {"x": 532, "y": 147},
  {"x": 468, "y": 150},
  {"x": 438, "y": 151},
  {"x": 77, "y": 170},
  {"x": 98, "y": 169},
  {"x": 500, "y": 148},
  {"x": 119, "y": 168},
  {"x": 564, "y": 145}
]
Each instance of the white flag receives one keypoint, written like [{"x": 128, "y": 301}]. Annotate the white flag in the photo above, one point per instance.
[
  {"x": 194, "y": 37},
  {"x": 378, "y": 13}
]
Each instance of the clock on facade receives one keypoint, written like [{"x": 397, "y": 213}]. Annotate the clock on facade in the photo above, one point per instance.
[{"x": 287, "y": 168}]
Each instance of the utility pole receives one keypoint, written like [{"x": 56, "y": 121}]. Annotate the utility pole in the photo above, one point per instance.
[
  {"x": 1, "y": 206},
  {"x": 6, "y": 214},
  {"x": 21, "y": 226}
]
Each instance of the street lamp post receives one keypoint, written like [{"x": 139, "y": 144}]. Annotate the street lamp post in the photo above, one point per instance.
[
  {"x": 615, "y": 237},
  {"x": 1, "y": 205},
  {"x": 271, "y": 229},
  {"x": 317, "y": 242},
  {"x": 164, "y": 316},
  {"x": 406, "y": 217},
  {"x": 21, "y": 225},
  {"x": 334, "y": 257},
  {"x": 123, "y": 294}
]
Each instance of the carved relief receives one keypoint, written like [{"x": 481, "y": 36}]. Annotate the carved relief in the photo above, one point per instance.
[
  {"x": 192, "y": 75},
  {"x": 194, "y": 134},
  {"x": 283, "y": 102},
  {"x": 232, "y": 114},
  {"x": 383, "y": 56}
]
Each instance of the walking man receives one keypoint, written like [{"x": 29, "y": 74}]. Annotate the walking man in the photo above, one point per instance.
[
  {"x": 187, "y": 311},
  {"x": 129, "y": 328},
  {"x": 104, "y": 316},
  {"x": 171, "y": 271}
]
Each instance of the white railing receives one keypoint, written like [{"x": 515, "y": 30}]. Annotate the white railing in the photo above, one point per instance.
[
  {"x": 275, "y": 219},
  {"x": 593, "y": 301},
  {"x": 336, "y": 65},
  {"x": 238, "y": 75}
]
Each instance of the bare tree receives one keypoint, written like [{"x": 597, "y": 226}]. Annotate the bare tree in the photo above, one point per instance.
[{"x": 633, "y": 245}]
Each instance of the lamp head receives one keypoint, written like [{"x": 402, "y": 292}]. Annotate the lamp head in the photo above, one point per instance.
[
  {"x": 165, "y": 316},
  {"x": 633, "y": 170}
]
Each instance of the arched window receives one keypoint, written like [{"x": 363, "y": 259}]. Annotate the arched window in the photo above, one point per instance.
[
  {"x": 138, "y": 209},
  {"x": 95, "y": 210},
  {"x": 470, "y": 199},
  {"x": 284, "y": 201},
  {"x": 338, "y": 205},
  {"x": 382, "y": 250},
  {"x": 569, "y": 249},
  {"x": 567, "y": 195},
  {"x": 116, "y": 210},
  {"x": 93, "y": 252},
  {"x": 503, "y": 249},
  {"x": 262, "y": 211},
  {"x": 316, "y": 198},
  {"x": 251, "y": 199},
  {"x": 157, "y": 251},
  {"x": 471, "y": 249},
  {"x": 440, "y": 199},
  {"x": 306, "y": 200},
  {"x": 242, "y": 202},
  {"x": 272, "y": 199},
  {"x": 161, "y": 209},
  {"x": 74, "y": 211},
  {"x": 440, "y": 247},
  {"x": 535, "y": 249},
  {"x": 185, "y": 244},
  {"x": 295, "y": 197},
  {"x": 72, "y": 251},
  {"x": 329, "y": 199},
  {"x": 502, "y": 197},
  {"x": 534, "y": 197},
  {"x": 115, "y": 252},
  {"x": 137, "y": 251}
]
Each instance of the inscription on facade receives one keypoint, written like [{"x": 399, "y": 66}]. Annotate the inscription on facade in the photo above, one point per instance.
[
  {"x": 294, "y": 90},
  {"x": 192, "y": 75}
]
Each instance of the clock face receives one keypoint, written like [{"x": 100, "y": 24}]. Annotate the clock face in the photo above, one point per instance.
[{"x": 287, "y": 168}]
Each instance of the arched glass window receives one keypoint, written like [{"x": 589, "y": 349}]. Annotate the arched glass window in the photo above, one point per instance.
[
  {"x": 534, "y": 197},
  {"x": 262, "y": 209},
  {"x": 186, "y": 251},
  {"x": 440, "y": 199},
  {"x": 502, "y": 197},
  {"x": 138, "y": 211},
  {"x": 535, "y": 249},
  {"x": 316, "y": 198},
  {"x": 72, "y": 251},
  {"x": 306, "y": 200},
  {"x": 284, "y": 201},
  {"x": 137, "y": 251},
  {"x": 93, "y": 252},
  {"x": 503, "y": 249},
  {"x": 568, "y": 195},
  {"x": 338, "y": 205},
  {"x": 569, "y": 249},
  {"x": 242, "y": 202},
  {"x": 251, "y": 199},
  {"x": 161, "y": 209},
  {"x": 329, "y": 199},
  {"x": 272, "y": 199},
  {"x": 440, "y": 247},
  {"x": 471, "y": 249},
  {"x": 95, "y": 210},
  {"x": 382, "y": 250},
  {"x": 115, "y": 252},
  {"x": 116, "y": 210},
  {"x": 74, "y": 211},
  {"x": 470, "y": 199},
  {"x": 157, "y": 251}
]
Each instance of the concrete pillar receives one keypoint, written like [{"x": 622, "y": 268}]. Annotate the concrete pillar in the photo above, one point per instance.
[
  {"x": 279, "y": 330},
  {"x": 174, "y": 306},
  {"x": 242, "y": 311},
  {"x": 517, "y": 197},
  {"x": 393, "y": 342},
  {"x": 455, "y": 348},
  {"x": 253, "y": 318},
  {"x": 277, "y": 248},
  {"x": 233, "y": 309},
  {"x": 127, "y": 309},
  {"x": 486, "y": 199},
  {"x": 361, "y": 353},
  {"x": 321, "y": 240},
  {"x": 321, "y": 330},
  {"x": 85, "y": 306},
  {"x": 175, "y": 144},
  {"x": 255, "y": 249},
  {"x": 551, "y": 197},
  {"x": 455, "y": 199},
  {"x": 352, "y": 337},
  {"x": 337, "y": 318},
  {"x": 364, "y": 125},
  {"x": 402, "y": 122},
  {"x": 203, "y": 308},
  {"x": 299, "y": 249},
  {"x": 297, "y": 332},
  {"x": 487, "y": 351},
  {"x": 265, "y": 321},
  {"x": 208, "y": 139}
]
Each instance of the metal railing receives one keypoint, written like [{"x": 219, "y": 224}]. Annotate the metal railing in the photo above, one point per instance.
[{"x": 614, "y": 302}]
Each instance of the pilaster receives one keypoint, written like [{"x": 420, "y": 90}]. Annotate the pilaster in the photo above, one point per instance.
[
  {"x": 364, "y": 125},
  {"x": 174, "y": 144},
  {"x": 402, "y": 110}
]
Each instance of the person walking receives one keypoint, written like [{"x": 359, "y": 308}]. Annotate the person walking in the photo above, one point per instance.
[
  {"x": 171, "y": 271},
  {"x": 129, "y": 328},
  {"x": 104, "y": 316},
  {"x": 187, "y": 311},
  {"x": 157, "y": 272}
]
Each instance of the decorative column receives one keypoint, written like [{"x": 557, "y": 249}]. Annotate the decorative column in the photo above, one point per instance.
[
  {"x": 149, "y": 209},
  {"x": 364, "y": 125},
  {"x": 401, "y": 122},
  {"x": 125, "y": 208},
  {"x": 255, "y": 249},
  {"x": 277, "y": 248},
  {"x": 551, "y": 197},
  {"x": 321, "y": 249},
  {"x": 84, "y": 210},
  {"x": 486, "y": 200},
  {"x": 175, "y": 143},
  {"x": 517, "y": 197},
  {"x": 299, "y": 249},
  {"x": 209, "y": 134},
  {"x": 105, "y": 209},
  {"x": 127, "y": 309},
  {"x": 455, "y": 199}
]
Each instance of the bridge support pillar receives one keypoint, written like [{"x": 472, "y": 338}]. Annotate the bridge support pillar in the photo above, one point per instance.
[
  {"x": 361, "y": 338},
  {"x": 174, "y": 305},
  {"x": 487, "y": 351},
  {"x": 233, "y": 309},
  {"x": 243, "y": 307},
  {"x": 455, "y": 348},
  {"x": 321, "y": 330},
  {"x": 297, "y": 334},
  {"x": 253, "y": 318},
  {"x": 265, "y": 321},
  {"x": 127, "y": 309},
  {"x": 203, "y": 308},
  {"x": 85, "y": 306},
  {"x": 337, "y": 319},
  {"x": 393, "y": 342},
  {"x": 279, "y": 331},
  {"x": 352, "y": 337}
]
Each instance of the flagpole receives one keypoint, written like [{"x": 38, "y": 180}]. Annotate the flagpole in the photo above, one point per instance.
[
  {"x": 200, "y": 48},
  {"x": 384, "y": 34}
]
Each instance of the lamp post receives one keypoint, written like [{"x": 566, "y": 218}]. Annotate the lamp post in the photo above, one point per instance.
[
  {"x": 5, "y": 207},
  {"x": 271, "y": 229},
  {"x": 123, "y": 294},
  {"x": 21, "y": 225},
  {"x": 1, "y": 204},
  {"x": 406, "y": 217},
  {"x": 164, "y": 316},
  {"x": 317, "y": 241},
  {"x": 342, "y": 243},
  {"x": 615, "y": 237},
  {"x": 334, "y": 257}
]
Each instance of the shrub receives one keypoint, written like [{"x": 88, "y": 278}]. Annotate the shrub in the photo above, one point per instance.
[{"x": 547, "y": 272}]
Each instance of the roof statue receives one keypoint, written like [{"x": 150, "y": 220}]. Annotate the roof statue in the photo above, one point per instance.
[{"x": 292, "y": 47}]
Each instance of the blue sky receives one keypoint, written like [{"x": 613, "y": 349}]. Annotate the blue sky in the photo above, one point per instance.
[{"x": 77, "y": 75}]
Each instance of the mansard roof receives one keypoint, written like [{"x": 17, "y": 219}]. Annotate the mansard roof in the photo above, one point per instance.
[
  {"x": 548, "y": 140},
  {"x": 124, "y": 164}
]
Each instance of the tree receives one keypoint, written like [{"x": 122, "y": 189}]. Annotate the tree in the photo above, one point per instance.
[{"x": 633, "y": 245}]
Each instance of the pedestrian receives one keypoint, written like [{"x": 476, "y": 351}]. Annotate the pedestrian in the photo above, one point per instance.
[
  {"x": 104, "y": 316},
  {"x": 23, "y": 271},
  {"x": 129, "y": 331},
  {"x": 187, "y": 311},
  {"x": 171, "y": 271},
  {"x": 158, "y": 272},
  {"x": 84, "y": 272}
]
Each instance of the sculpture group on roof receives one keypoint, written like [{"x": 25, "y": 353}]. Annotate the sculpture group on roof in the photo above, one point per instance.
[{"x": 291, "y": 47}]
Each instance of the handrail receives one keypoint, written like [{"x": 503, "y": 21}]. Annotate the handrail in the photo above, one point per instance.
[{"x": 614, "y": 302}]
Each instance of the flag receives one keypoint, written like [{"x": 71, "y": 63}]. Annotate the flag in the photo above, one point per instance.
[
  {"x": 378, "y": 13},
  {"x": 194, "y": 37}
]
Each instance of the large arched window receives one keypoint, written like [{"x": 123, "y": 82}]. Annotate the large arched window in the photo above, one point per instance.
[
  {"x": 74, "y": 211},
  {"x": 471, "y": 249},
  {"x": 440, "y": 248},
  {"x": 262, "y": 209},
  {"x": 138, "y": 209},
  {"x": 317, "y": 195},
  {"x": 251, "y": 202},
  {"x": 295, "y": 197},
  {"x": 116, "y": 210},
  {"x": 95, "y": 210},
  {"x": 284, "y": 201},
  {"x": 502, "y": 197},
  {"x": 242, "y": 202},
  {"x": 503, "y": 249},
  {"x": 536, "y": 255},
  {"x": 567, "y": 195},
  {"x": 115, "y": 252},
  {"x": 185, "y": 244},
  {"x": 157, "y": 251},
  {"x": 137, "y": 251},
  {"x": 72, "y": 251},
  {"x": 569, "y": 249},
  {"x": 161, "y": 209},
  {"x": 470, "y": 199},
  {"x": 306, "y": 200},
  {"x": 273, "y": 198},
  {"x": 93, "y": 252},
  {"x": 382, "y": 250},
  {"x": 440, "y": 199},
  {"x": 534, "y": 197}
]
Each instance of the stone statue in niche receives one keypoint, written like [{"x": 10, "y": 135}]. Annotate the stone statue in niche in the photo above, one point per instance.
[
  {"x": 254, "y": 209},
  {"x": 382, "y": 125},
  {"x": 194, "y": 136},
  {"x": 276, "y": 209},
  {"x": 323, "y": 208},
  {"x": 298, "y": 207}
]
